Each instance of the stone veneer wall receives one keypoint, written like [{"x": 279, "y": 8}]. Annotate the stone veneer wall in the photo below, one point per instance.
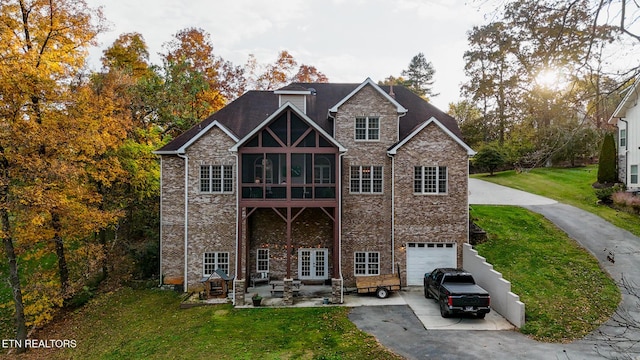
[
  {"x": 366, "y": 218},
  {"x": 311, "y": 229},
  {"x": 431, "y": 218},
  {"x": 212, "y": 217}
]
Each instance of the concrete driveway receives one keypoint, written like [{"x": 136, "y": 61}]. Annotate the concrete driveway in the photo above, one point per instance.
[
  {"x": 399, "y": 329},
  {"x": 427, "y": 311}
]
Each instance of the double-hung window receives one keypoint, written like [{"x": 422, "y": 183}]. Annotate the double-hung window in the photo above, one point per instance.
[
  {"x": 216, "y": 179},
  {"x": 623, "y": 137},
  {"x": 215, "y": 260},
  {"x": 367, "y": 263},
  {"x": 366, "y": 179},
  {"x": 430, "y": 180},
  {"x": 633, "y": 176},
  {"x": 367, "y": 128}
]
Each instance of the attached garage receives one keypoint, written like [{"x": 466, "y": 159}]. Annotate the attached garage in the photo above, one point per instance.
[{"x": 424, "y": 257}]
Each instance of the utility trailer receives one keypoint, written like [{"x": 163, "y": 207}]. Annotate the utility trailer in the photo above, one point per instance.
[{"x": 381, "y": 285}]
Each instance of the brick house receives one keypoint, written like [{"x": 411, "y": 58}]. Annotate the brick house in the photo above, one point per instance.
[{"x": 317, "y": 182}]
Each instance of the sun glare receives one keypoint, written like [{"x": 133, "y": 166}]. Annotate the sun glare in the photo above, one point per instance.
[{"x": 550, "y": 79}]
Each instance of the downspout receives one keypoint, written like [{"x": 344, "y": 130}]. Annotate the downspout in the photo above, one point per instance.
[
  {"x": 626, "y": 151},
  {"x": 186, "y": 219},
  {"x": 393, "y": 202},
  {"x": 340, "y": 229},
  {"x": 393, "y": 214},
  {"x": 160, "y": 230},
  {"x": 233, "y": 296}
]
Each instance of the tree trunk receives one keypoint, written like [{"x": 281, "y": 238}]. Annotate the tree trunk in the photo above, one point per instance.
[
  {"x": 63, "y": 269},
  {"x": 14, "y": 279}
]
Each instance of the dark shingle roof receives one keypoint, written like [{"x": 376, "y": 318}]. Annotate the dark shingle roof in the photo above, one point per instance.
[{"x": 246, "y": 112}]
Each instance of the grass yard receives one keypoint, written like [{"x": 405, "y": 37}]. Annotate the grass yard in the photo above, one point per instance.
[
  {"x": 571, "y": 186},
  {"x": 566, "y": 293},
  {"x": 148, "y": 324}
]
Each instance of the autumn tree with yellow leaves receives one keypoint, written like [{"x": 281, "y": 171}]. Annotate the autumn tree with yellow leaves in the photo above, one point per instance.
[{"x": 52, "y": 138}]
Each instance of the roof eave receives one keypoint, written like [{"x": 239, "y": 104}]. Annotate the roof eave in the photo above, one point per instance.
[{"x": 393, "y": 150}]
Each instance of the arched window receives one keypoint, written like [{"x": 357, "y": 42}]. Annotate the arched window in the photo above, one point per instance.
[{"x": 263, "y": 169}]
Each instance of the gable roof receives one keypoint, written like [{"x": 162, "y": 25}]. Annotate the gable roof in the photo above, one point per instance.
[
  {"x": 190, "y": 140},
  {"x": 400, "y": 108},
  {"x": 250, "y": 110},
  {"x": 394, "y": 149},
  {"x": 277, "y": 113},
  {"x": 630, "y": 98}
]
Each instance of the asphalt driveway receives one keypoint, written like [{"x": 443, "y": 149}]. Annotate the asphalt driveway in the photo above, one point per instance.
[{"x": 398, "y": 328}]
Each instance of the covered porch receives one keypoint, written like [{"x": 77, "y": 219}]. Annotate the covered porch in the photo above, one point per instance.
[{"x": 288, "y": 252}]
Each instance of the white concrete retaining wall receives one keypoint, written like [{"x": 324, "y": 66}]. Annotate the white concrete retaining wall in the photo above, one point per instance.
[{"x": 503, "y": 300}]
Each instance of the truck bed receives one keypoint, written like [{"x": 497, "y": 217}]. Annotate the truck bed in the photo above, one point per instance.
[{"x": 465, "y": 289}]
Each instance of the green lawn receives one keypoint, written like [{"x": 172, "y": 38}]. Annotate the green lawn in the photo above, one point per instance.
[
  {"x": 570, "y": 186},
  {"x": 148, "y": 324},
  {"x": 566, "y": 293}
]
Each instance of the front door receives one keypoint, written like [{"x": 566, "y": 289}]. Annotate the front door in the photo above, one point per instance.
[{"x": 313, "y": 264}]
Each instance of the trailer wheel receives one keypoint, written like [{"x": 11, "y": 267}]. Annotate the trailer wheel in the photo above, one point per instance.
[{"x": 382, "y": 292}]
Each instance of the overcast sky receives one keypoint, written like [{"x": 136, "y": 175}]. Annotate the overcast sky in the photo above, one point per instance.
[{"x": 347, "y": 40}]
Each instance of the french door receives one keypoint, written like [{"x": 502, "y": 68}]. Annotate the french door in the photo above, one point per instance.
[{"x": 313, "y": 264}]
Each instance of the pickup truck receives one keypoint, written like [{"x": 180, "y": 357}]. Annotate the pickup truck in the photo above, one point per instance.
[{"x": 456, "y": 292}]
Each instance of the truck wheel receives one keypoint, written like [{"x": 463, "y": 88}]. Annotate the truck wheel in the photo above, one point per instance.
[
  {"x": 382, "y": 293},
  {"x": 426, "y": 294},
  {"x": 443, "y": 310},
  {"x": 480, "y": 315}
]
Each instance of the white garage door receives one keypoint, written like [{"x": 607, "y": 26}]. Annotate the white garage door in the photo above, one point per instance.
[{"x": 424, "y": 257}]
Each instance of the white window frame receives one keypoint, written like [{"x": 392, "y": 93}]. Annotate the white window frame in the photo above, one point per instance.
[
  {"x": 623, "y": 137},
  {"x": 633, "y": 172},
  {"x": 366, "y": 263},
  {"x": 262, "y": 260},
  {"x": 368, "y": 179},
  {"x": 215, "y": 260},
  {"x": 370, "y": 131},
  {"x": 430, "y": 180},
  {"x": 216, "y": 179}
]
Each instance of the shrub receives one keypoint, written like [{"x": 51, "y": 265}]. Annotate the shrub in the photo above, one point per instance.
[
  {"x": 605, "y": 194},
  {"x": 627, "y": 200}
]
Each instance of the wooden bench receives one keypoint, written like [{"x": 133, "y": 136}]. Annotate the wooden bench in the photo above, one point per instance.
[
  {"x": 259, "y": 278},
  {"x": 277, "y": 286}
]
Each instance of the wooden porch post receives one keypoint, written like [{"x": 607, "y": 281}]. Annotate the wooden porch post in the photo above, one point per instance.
[{"x": 289, "y": 242}]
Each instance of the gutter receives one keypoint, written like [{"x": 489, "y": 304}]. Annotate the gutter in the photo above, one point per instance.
[{"x": 186, "y": 218}]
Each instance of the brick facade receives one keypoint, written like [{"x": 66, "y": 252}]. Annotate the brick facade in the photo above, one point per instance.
[
  {"x": 430, "y": 218},
  {"x": 366, "y": 218},
  {"x": 381, "y": 223},
  {"x": 211, "y": 220}
]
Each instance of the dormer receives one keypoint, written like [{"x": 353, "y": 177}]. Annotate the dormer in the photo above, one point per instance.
[{"x": 295, "y": 94}]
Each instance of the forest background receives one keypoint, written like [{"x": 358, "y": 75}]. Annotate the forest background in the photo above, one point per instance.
[{"x": 79, "y": 184}]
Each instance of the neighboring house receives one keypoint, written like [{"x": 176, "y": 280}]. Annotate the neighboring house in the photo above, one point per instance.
[
  {"x": 317, "y": 182},
  {"x": 627, "y": 119}
]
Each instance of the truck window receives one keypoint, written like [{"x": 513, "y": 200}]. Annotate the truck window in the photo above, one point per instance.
[{"x": 459, "y": 279}]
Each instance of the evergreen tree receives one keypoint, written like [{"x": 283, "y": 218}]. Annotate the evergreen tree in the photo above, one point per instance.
[
  {"x": 489, "y": 158},
  {"x": 607, "y": 162}
]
